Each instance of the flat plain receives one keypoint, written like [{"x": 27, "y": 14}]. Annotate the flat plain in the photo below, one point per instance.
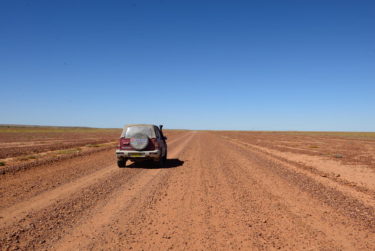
[{"x": 220, "y": 190}]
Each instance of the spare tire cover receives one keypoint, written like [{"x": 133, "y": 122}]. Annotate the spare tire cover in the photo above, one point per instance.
[{"x": 139, "y": 141}]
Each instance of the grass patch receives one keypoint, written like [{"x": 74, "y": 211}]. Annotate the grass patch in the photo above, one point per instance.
[
  {"x": 28, "y": 157},
  {"x": 2, "y": 163},
  {"x": 94, "y": 145},
  {"x": 69, "y": 151},
  {"x": 313, "y": 146},
  {"x": 52, "y": 129}
]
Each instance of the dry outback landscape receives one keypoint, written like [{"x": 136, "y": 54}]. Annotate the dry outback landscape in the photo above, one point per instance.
[{"x": 220, "y": 190}]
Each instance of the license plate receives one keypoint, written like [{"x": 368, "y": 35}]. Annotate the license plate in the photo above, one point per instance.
[{"x": 136, "y": 154}]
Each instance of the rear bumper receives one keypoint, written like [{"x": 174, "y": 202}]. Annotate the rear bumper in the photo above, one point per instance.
[{"x": 155, "y": 154}]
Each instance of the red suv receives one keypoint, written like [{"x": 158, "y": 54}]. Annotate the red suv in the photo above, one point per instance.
[{"x": 141, "y": 142}]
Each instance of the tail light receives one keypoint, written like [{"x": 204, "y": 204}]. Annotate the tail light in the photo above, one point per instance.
[
  {"x": 125, "y": 145},
  {"x": 124, "y": 142},
  {"x": 155, "y": 143}
]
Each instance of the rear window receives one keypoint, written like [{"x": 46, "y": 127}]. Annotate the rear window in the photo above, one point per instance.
[{"x": 131, "y": 131}]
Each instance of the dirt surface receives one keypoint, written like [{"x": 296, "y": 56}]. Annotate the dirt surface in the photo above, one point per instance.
[
  {"x": 21, "y": 141},
  {"x": 218, "y": 191}
]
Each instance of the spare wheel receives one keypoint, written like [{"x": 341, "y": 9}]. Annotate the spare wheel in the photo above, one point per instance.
[{"x": 139, "y": 141}]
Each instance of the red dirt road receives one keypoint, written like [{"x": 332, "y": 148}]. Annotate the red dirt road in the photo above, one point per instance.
[{"x": 216, "y": 193}]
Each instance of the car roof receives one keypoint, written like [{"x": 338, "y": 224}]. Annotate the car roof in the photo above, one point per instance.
[
  {"x": 147, "y": 125},
  {"x": 143, "y": 125}
]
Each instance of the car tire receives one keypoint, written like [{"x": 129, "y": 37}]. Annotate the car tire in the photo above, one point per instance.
[
  {"x": 165, "y": 156},
  {"x": 161, "y": 163},
  {"x": 121, "y": 163}
]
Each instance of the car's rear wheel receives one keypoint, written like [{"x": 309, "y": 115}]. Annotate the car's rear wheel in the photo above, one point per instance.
[
  {"x": 160, "y": 163},
  {"x": 121, "y": 162},
  {"x": 165, "y": 156}
]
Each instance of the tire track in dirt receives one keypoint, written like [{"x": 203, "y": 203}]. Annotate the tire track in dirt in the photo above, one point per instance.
[
  {"x": 304, "y": 208},
  {"x": 47, "y": 198},
  {"x": 335, "y": 179},
  {"x": 41, "y": 227},
  {"x": 351, "y": 203},
  {"x": 20, "y": 186}
]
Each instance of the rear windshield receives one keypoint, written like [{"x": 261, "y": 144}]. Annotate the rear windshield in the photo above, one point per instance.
[{"x": 131, "y": 131}]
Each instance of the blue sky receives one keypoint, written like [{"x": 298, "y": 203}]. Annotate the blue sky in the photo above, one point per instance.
[{"x": 241, "y": 65}]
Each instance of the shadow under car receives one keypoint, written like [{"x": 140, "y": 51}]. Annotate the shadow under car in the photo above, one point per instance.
[{"x": 149, "y": 164}]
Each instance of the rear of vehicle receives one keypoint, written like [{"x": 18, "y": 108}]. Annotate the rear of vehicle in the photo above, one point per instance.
[{"x": 140, "y": 143}]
